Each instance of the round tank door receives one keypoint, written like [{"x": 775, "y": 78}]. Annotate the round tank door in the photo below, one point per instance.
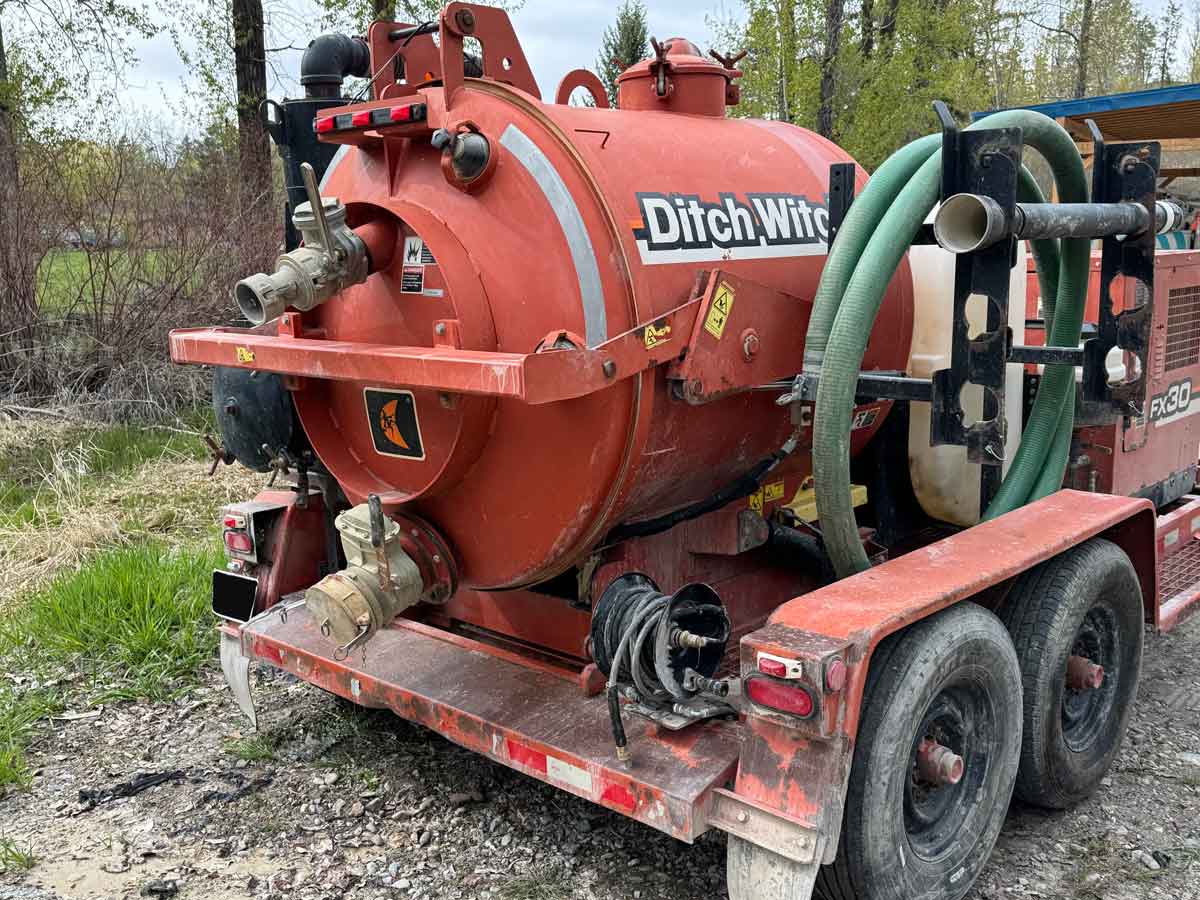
[{"x": 398, "y": 442}]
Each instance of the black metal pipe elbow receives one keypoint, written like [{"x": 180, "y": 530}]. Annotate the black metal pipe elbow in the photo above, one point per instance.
[{"x": 329, "y": 60}]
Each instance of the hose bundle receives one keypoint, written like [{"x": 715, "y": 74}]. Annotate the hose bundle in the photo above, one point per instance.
[
  {"x": 667, "y": 646},
  {"x": 878, "y": 230}
]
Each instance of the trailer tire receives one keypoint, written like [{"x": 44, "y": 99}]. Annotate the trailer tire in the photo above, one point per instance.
[
  {"x": 954, "y": 678},
  {"x": 1087, "y": 602}
]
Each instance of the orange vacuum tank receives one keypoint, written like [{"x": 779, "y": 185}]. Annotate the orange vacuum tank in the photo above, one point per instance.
[{"x": 591, "y": 221}]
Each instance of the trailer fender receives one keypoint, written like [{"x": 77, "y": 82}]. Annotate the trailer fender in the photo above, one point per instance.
[{"x": 800, "y": 767}]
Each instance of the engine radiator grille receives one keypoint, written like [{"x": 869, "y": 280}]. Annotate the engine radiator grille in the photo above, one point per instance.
[{"x": 1183, "y": 327}]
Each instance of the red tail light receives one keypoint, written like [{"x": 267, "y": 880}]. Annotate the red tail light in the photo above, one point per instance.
[
  {"x": 238, "y": 542},
  {"x": 786, "y": 697},
  {"x": 776, "y": 667}
]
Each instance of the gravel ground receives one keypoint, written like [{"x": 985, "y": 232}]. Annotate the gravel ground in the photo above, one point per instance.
[{"x": 329, "y": 801}]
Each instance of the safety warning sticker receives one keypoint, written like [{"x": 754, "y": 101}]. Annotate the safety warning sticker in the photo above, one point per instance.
[
  {"x": 412, "y": 279},
  {"x": 395, "y": 430},
  {"x": 416, "y": 257},
  {"x": 718, "y": 312},
  {"x": 416, "y": 253},
  {"x": 655, "y": 334},
  {"x": 768, "y": 493}
]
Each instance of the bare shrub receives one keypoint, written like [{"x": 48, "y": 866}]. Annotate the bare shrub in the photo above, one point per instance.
[{"x": 111, "y": 243}]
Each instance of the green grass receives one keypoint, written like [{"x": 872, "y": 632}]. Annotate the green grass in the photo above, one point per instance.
[
  {"x": 134, "y": 618},
  {"x": 256, "y": 748},
  {"x": 67, "y": 277},
  {"x": 14, "y": 858},
  {"x": 111, "y": 450},
  {"x": 550, "y": 884},
  {"x": 80, "y": 455},
  {"x": 18, "y": 715},
  {"x": 62, "y": 274}
]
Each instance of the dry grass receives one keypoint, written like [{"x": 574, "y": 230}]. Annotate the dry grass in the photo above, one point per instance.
[{"x": 74, "y": 503}]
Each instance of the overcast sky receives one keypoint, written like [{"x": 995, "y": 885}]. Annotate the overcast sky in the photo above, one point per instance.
[{"x": 557, "y": 36}]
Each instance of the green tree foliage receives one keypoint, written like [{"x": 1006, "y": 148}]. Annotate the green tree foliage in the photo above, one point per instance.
[
  {"x": 1193, "y": 66},
  {"x": 625, "y": 42},
  {"x": 871, "y": 85},
  {"x": 356, "y": 16},
  {"x": 1170, "y": 26}
]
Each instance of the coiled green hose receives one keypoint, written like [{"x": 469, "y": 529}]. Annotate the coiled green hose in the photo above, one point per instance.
[{"x": 870, "y": 246}]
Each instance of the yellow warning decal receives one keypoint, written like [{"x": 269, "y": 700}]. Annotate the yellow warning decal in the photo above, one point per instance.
[
  {"x": 718, "y": 311},
  {"x": 244, "y": 354},
  {"x": 768, "y": 493},
  {"x": 654, "y": 336}
]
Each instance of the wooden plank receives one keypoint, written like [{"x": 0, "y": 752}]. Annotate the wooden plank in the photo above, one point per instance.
[{"x": 1171, "y": 145}]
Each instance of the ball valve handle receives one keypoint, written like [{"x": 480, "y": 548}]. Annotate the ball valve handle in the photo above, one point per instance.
[
  {"x": 332, "y": 258},
  {"x": 317, "y": 205}
]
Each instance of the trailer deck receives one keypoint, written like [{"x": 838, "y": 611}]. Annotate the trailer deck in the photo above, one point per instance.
[{"x": 522, "y": 715}]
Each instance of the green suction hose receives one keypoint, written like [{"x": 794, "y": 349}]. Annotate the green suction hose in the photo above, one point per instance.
[
  {"x": 852, "y": 237},
  {"x": 870, "y": 247}
]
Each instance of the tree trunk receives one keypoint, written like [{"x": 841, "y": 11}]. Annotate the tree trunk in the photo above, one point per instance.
[
  {"x": 383, "y": 10},
  {"x": 868, "y": 28},
  {"x": 787, "y": 58},
  {"x": 834, "y": 19},
  {"x": 250, "y": 69},
  {"x": 887, "y": 28},
  {"x": 1084, "y": 49},
  {"x": 8, "y": 140}
]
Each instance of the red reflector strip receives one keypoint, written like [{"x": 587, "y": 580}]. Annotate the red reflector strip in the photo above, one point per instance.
[
  {"x": 792, "y": 699},
  {"x": 401, "y": 114},
  {"x": 525, "y": 756},
  {"x": 323, "y": 124},
  {"x": 361, "y": 118},
  {"x": 556, "y": 770},
  {"x": 835, "y": 676},
  {"x": 619, "y": 797},
  {"x": 238, "y": 541}
]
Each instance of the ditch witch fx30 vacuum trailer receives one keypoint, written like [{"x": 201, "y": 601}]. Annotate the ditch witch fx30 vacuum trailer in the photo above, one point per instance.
[{"x": 663, "y": 457}]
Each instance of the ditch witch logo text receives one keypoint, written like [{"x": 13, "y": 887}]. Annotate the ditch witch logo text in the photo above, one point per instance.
[{"x": 677, "y": 228}]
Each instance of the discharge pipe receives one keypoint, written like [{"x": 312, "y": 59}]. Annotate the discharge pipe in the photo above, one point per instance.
[
  {"x": 969, "y": 222},
  {"x": 1170, "y": 216},
  {"x": 329, "y": 60}
]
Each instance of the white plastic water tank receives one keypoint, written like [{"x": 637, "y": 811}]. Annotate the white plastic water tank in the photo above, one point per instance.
[{"x": 946, "y": 484}]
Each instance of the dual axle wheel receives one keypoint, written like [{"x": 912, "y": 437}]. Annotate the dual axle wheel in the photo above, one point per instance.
[{"x": 965, "y": 707}]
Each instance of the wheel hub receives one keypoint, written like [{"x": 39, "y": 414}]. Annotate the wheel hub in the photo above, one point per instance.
[
  {"x": 1089, "y": 687},
  {"x": 947, "y": 764}
]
